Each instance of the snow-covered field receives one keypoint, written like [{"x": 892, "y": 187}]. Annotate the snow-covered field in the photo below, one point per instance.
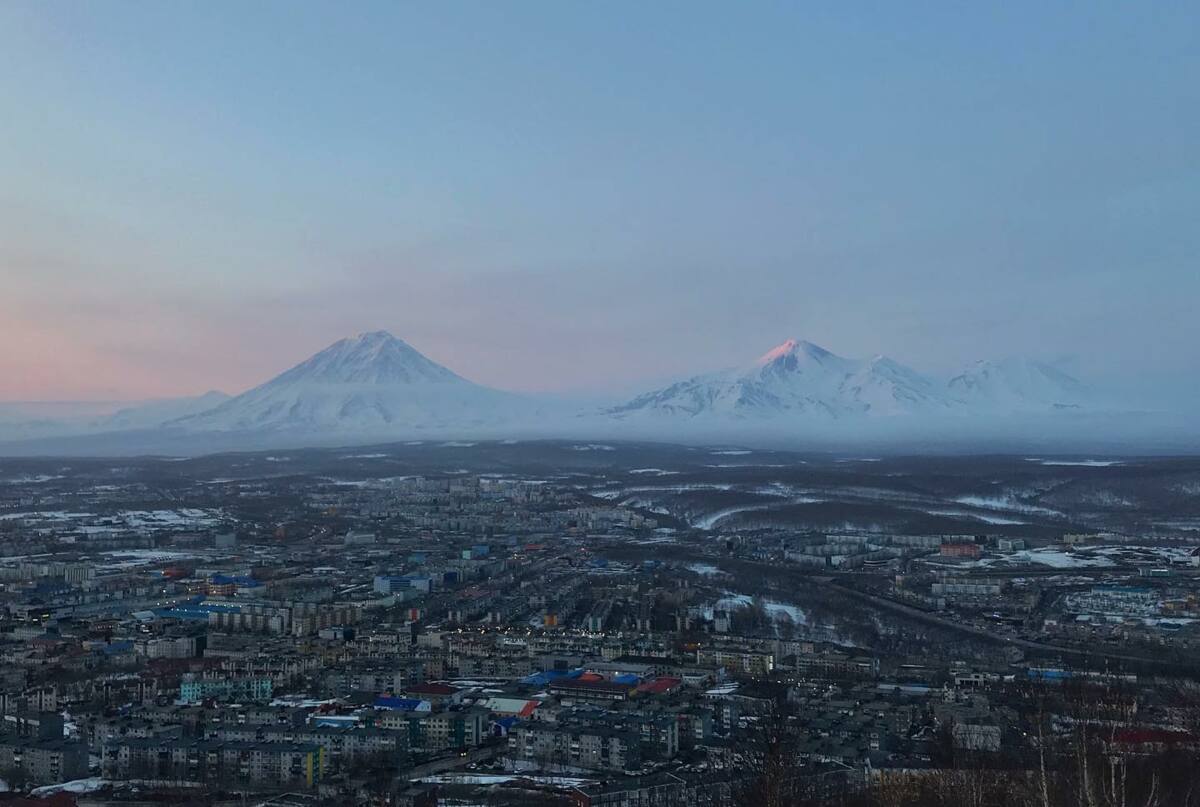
[
  {"x": 1005, "y": 504},
  {"x": 183, "y": 517},
  {"x": 133, "y": 558},
  {"x": 614, "y": 494},
  {"x": 89, "y": 785},
  {"x": 983, "y": 517},
  {"x": 44, "y": 515},
  {"x": 1164, "y": 554},
  {"x": 1050, "y": 557},
  {"x": 712, "y": 520},
  {"x": 776, "y": 610}
]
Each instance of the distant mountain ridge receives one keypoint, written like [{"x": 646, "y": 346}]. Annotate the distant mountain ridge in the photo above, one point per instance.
[
  {"x": 1017, "y": 383},
  {"x": 376, "y": 387},
  {"x": 155, "y": 413},
  {"x": 33, "y": 420},
  {"x": 800, "y": 378}
]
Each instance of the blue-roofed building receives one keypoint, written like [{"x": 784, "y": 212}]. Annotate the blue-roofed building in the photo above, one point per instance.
[
  {"x": 335, "y": 721},
  {"x": 501, "y": 725},
  {"x": 391, "y": 583},
  {"x": 120, "y": 648},
  {"x": 196, "y": 611},
  {"x": 239, "y": 580},
  {"x": 396, "y": 704},
  {"x": 546, "y": 676},
  {"x": 1048, "y": 674}
]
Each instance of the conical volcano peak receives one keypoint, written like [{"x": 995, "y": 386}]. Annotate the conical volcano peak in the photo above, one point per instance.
[
  {"x": 374, "y": 357},
  {"x": 365, "y": 384},
  {"x": 795, "y": 349}
]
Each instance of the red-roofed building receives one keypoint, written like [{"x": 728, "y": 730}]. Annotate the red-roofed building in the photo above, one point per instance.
[
  {"x": 435, "y": 692},
  {"x": 1157, "y": 738},
  {"x": 661, "y": 685}
]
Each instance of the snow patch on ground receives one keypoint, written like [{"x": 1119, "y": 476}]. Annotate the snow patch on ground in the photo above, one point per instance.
[
  {"x": 779, "y": 610},
  {"x": 710, "y": 521},
  {"x": 617, "y": 493},
  {"x": 775, "y": 609},
  {"x": 132, "y": 558},
  {"x": 1054, "y": 558},
  {"x": 1106, "y": 498},
  {"x": 89, "y": 785},
  {"x": 645, "y": 504},
  {"x": 1005, "y": 503},
  {"x": 749, "y": 465},
  {"x": 45, "y": 515},
  {"x": 985, "y": 518},
  {"x": 183, "y": 517}
]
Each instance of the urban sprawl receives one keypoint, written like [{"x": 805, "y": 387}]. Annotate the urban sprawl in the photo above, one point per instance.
[{"x": 466, "y": 637}]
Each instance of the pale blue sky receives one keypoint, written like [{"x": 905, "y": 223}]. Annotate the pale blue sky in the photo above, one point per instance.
[{"x": 570, "y": 196}]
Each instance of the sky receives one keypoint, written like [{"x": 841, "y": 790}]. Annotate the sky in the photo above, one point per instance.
[{"x": 585, "y": 197}]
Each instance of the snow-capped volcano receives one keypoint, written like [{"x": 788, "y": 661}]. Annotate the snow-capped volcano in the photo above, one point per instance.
[
  {"x": 376, "y": 388},
  {"x": 369, "y": 358},
  {"x": 796, "y": 377},
  {"x": 1016, "y": 384},
  {"x": 373, "y": 383}
]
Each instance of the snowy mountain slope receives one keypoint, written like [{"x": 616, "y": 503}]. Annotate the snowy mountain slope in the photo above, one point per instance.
[
  {"x": 796, "y": 378},
  {"x": 373, "y": 383},
  {"x": 1016, "y": 385},
  {"x": 375, "y": 387},
  {"x": 155, "y": 413},
  {"x": 31, "y": 420}
]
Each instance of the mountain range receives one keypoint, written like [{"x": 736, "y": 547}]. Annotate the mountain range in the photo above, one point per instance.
[
  {"x": 375, "y": 387},
  {"x": 802, "y": 379}
]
